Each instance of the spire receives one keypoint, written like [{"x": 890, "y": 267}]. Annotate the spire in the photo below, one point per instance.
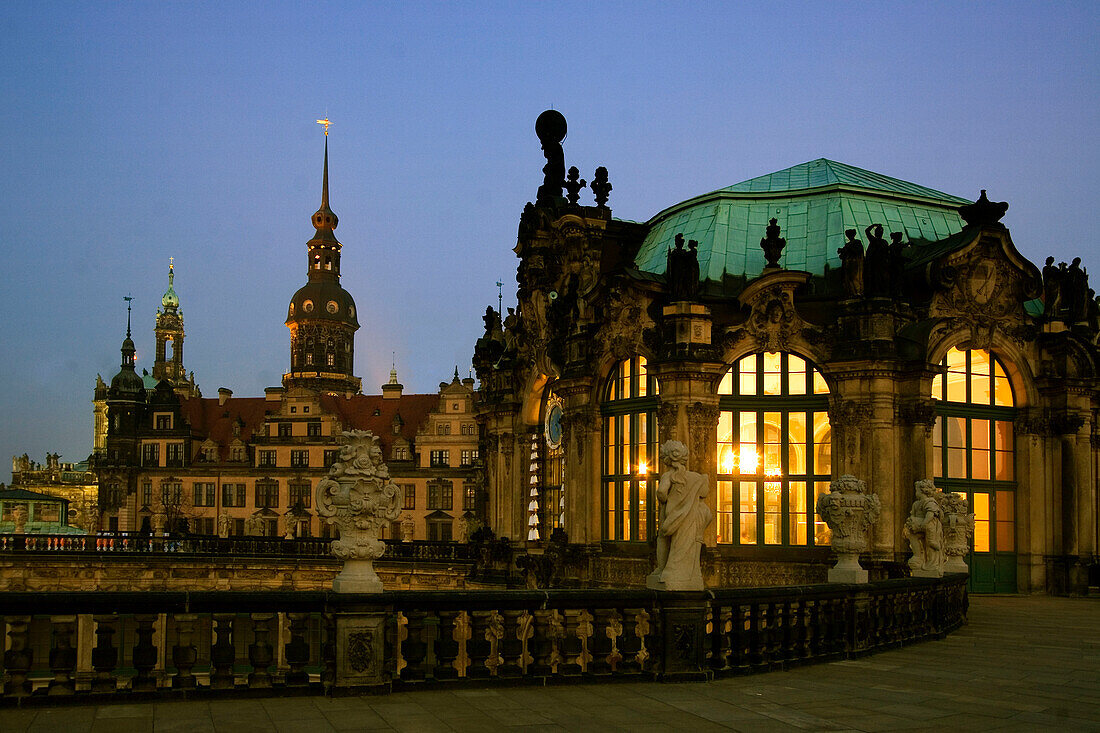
[
  {"x": 128, "y": 298},
  {"x": 324, "y": 220},
  {"x": 324, "y": 178},
  {"x": 170, "y": 299}
]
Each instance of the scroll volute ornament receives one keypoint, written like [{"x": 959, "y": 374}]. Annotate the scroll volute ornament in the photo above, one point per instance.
[{"x": 360, "y": 499}]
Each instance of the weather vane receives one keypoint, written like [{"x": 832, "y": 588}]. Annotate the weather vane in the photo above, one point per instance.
[
  {"x": 500, "y": 296},
  {"x": 127, "y": 298},
  {"x": 326, "y": 122}
]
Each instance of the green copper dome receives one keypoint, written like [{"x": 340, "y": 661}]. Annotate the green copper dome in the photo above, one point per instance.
[
  {"x": 170, "y": 299},
  {"x": 813, "y": 202}
]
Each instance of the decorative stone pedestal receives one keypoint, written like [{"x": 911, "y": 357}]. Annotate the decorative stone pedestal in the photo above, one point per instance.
[
  {"x": 360, "y": 642},
  {"x": 359, "y": 498},
  {"x": 850, "y": 511}
]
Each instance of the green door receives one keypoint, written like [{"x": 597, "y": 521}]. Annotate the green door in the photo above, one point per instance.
[{"x": 992, "y": 559}]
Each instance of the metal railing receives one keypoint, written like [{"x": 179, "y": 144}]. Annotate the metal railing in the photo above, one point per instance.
[{"x": 222, "y": 642}]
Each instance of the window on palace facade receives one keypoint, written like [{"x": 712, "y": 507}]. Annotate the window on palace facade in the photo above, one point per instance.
[
  {"x": 299, "y": 458},
  {"x": 150, "y": 454},
  {"x": 774, "y": 452},
  {"x": 205, "y": 493},
  {"x": 313, "y": 429},
  {"x": 468, "y": 457},
  {"x": 441, "y": 495},
  {"x": 233, "y": 494},
  {"x": 408, "y": 496},
  {"x": 330, "y": 457},
  {"x": 146, "y": 493},
  {"x": 629, "y": 410},
  {"x": 469, "y": 496},
  {"x": 171, "y": 493},
  {"x": 163, "y": 420},
  {"x": 973, "y": 443},
  {"x": 440, "y": 458},
  {"x": 286, "y": 430},
  {"x": 267, "y": 493},
  {"x": 300, "y": 494},
  {"x": 173, "y": 454},
  {"x": 266, "y": 458}
]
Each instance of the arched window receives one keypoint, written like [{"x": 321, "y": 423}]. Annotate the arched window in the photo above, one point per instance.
[
  {"x": 629, "y": 410},
  {"x": 551, "y": 466},
  {"x": 973, "y": 449},
  {"x": 774, "y": 451}
]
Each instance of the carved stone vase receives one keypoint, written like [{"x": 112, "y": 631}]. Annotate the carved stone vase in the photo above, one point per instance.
[
  {"x": 850, "y": 510},
  {"x": 358, "y": 497},
  {"x": 958, "y": 531}
]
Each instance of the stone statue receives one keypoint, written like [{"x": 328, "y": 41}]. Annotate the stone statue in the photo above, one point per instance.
[
  {"x": 159, "y": 520},
  {"x": 958, "y": 531},
  {"x": 601, "y": 189},
  {"x": 772, "y": 244},
  {"x": 897, "y": 264},
  {"x": 1075, "y": 288},
  {"x": 408, "y": 528},
  {"x": 223, "y": 524},
  {"x": 924, "y": 530},
  {"x": 252, "y": 525},
  {"x": 1052, "y": 288},
  {"x": 682, "y": 517},
  {"x": 359, "y": 498},
  {"x": 682, "y": 270},
  {"x": 573, "y": 185},
  {"x": 876, "y": 264},
  {"x": 851, "y": 265},
  {"x": 551, "y": 128},
  {"x": 19, "y": 516},
  {"x": 850, "y": 511}
]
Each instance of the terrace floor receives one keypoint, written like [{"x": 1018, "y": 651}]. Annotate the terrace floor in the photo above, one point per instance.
[{"x": 1022, "y": 664}]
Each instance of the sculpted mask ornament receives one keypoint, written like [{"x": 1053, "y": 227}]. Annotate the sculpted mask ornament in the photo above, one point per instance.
[
  {"x": 924, "y": 530},
  {"x": 359, "y": 498},
  {"x": 850, "y": 511},
  {"x": 958, "y": 531}
]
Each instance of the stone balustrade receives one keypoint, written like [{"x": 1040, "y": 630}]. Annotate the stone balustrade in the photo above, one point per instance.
[
  {"x": 132, "y": 542},
  {"x": 180, "y": 644}
]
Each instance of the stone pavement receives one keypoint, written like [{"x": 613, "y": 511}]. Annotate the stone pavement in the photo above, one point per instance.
[{"x": 1022, "y": 664}]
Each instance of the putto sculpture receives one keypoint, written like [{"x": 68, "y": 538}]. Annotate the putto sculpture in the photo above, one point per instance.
[
  {"x": 359, "y": 498},
  {"x": 924, "y": 530},
  {"x": 682, "y": 516},
  {"x": 958, "y": 531},
  {"x": 850, "y": 511}
]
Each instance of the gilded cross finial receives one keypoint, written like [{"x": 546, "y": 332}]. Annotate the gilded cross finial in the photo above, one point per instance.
[{"x": 326, "y": 122}]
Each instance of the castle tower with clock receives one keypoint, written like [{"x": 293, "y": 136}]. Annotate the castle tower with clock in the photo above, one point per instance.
[{"x": 321, "y": 316}]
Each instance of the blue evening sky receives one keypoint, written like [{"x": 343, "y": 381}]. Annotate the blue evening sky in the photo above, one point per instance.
[{"x": 135, "y": 132}]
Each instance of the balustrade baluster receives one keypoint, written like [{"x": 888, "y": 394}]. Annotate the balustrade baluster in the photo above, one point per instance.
[
  {"x": 510, "y": 646},
  {"x": 63, "y": 656},
  {"x": 223, "y": 653},
  {"x": 546, "y": 644},
  {"x": 18, "y": 657},
  {"x": 105, "y": 655},
  {"x": 296, "y": 650},
  {"x": 184, "y": 653},
  {"x": 756, "y": 631},
  {"x": 260, "y": 653},
  {"x": 629, "y": 642},
  {"x": 446, "y": 648},
  {"x": 144, "y": 654},
  {"x": 523, "y": 626},
  {"x": 479, "y": 647},
  {"x": 414, "y": 647},
  {"x": 607, "y": 657},
  {"x": 328, "y": 652}
]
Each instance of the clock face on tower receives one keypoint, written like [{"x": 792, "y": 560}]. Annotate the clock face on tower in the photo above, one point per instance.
[{"x": 552, "y": 427}]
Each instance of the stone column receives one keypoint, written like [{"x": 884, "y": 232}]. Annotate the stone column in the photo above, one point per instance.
[{"x": 1035, "y": 497}]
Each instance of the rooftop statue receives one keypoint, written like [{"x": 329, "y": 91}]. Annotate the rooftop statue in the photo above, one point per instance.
[
  {"x": 851, "y": 267},
  {"x": 772, "y": 244},
  {"x": 682, "y": 516},
  {"x": 682, "y": 270},
  {"x": 983, "y": 211},
  {"x": 876, "y": 264},
  {"x": 551, "y": 130},
  {"x": 600, "y": 187},
  {"x": 573, "y": 185}
]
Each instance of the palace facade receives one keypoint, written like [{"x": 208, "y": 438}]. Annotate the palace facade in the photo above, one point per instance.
[
  {"x": 168, "y": 459},
  {"x": 816, "y": 321}
]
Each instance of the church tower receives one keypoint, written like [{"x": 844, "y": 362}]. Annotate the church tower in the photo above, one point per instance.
[
  {"x": 169, "y": 329},
  {"x": 321, "y": 316}
]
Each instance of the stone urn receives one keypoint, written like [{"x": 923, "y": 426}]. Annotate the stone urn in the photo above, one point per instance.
[
  {"x": 850, "y": 510},
  {"x": 19, "y": 516},
  {"x": 360, "y": 499},
  {"x": 958, "y": 531},
  {"x": 159, "y": 520}
]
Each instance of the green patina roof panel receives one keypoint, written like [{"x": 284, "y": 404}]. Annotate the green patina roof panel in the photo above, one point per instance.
[{"x": 814, "y": 203}]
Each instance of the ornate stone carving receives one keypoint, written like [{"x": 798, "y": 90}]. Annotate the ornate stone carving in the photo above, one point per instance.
[
  {"x": 702, "y": 420},
  {"x": 666, "y": 420},
  {"x": 772, "y": 244},
  {"x": 360, "y": 499},
  {"x": 19, "y": 516},
  {"x": 1065, "y": 422},
  {"x": 918, "y": 412},
  {"x": 983, "y": 212},
  {"x": 958, "y": 531},
  {"x": 773, "y": 320},
  {"x": 601, "y": 189},
  {"x": 924, "y": 530},
  {"x": 682, "y": 517},
  {"x": 850, "y": 511},
  {"x": 627, "y": 318}
]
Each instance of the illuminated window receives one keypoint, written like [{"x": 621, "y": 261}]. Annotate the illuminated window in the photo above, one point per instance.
[
  {"x": 629, "y": 452},
  {"x": 774, "y": 452},
  {"x": 973, "y": 454}
]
